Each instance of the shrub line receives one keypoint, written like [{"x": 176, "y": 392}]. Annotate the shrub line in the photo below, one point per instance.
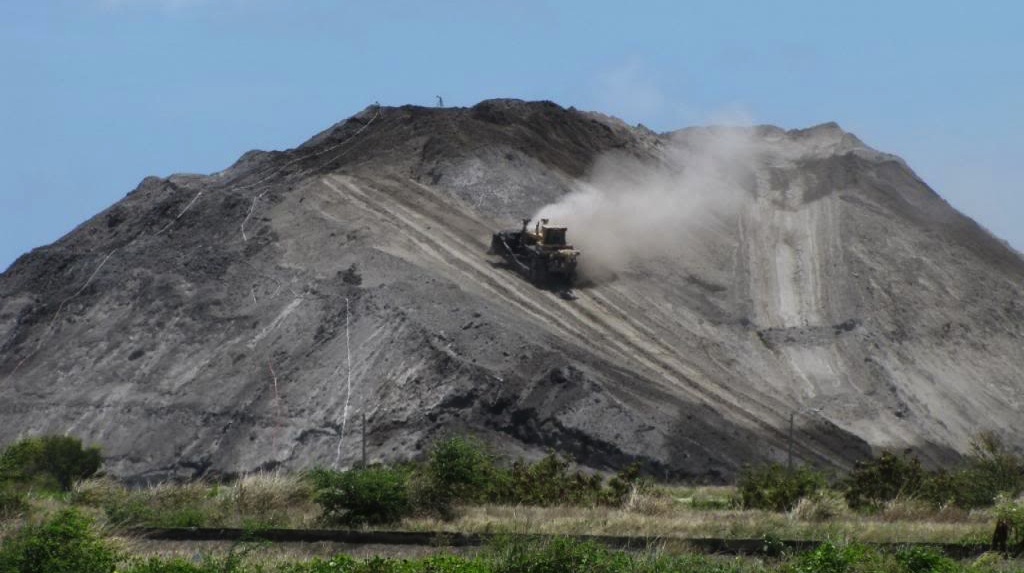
[{"x": 709, "y": 545}]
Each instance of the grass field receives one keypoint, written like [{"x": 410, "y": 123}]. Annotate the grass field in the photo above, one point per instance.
[
  {"x": 537, "y": 517},
  {"x": 272, "y": 500},
  {"x": 663, "y": 512}
]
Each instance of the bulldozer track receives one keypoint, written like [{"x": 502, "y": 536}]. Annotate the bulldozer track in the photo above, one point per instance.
[{"x": 449, "y": 235}]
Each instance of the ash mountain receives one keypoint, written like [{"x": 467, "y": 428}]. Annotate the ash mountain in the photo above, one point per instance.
[{"x": 253, "y": 318}]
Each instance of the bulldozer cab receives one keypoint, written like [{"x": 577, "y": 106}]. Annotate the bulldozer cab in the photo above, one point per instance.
[
  {"x": 548, "y": 236},
  {"x": 553, "y": 236}
]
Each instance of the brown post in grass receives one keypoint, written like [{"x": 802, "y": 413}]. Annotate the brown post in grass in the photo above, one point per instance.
[{"x": 1001, "y": 536}]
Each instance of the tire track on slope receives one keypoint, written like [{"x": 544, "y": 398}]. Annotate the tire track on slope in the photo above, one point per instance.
[
  {"x": 670, "y": 358},
  {"x": 582, "y": 327},
  {"x": 625, "y": 343},
  {"x": 659, "y": 359},
  {"x": 721, "y": 398},
  {"x": 631, "y": 337},
  {"x": 628, "y": 346},
  {"x": 633, "y": 340},
  {"x": 393, "y": 213},
  {"x": 587, "y": 325}
]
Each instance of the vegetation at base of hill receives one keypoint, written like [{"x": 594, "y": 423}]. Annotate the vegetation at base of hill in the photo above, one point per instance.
[
  {"x": 43, "y": 464},
  {"x": 67, "y": 542},
  {"x": 251, "y": 502},
  {"x": 562, "y": 556},
  {"x": 989, "y": 471},
  {"x": 461, "y": 486},
  {"x": 461, "y": 481},
  {"x": 375, "y": 494},
  {"x": 460, "y": 471},
  {"x": 776, "y": 488},
  {"x": 48, "y": 462},
  {"x": 1011, "y": 513},
  {"x": 12, "y": 501}
]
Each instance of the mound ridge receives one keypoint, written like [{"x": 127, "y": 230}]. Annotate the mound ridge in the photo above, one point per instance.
[{"x": 250, "y": 319}]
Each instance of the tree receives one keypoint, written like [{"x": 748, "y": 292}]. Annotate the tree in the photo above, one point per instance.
[
  {"x": 49, "y": 461},
  {"x": 885, "y": 478},
  {"x": 65, "y": 543}
]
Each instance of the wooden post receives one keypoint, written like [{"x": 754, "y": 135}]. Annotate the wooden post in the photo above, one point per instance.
[
  {"x": 789, "y": 458},
  {"x": 792, "y": 414},
  {"x": 364, "y": 439}
]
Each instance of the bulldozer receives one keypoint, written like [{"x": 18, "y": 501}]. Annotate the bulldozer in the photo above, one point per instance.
[{"x": 541, "y": 254}]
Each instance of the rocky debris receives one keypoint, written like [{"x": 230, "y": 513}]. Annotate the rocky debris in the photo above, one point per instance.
[{"x": 251, "y": 319}]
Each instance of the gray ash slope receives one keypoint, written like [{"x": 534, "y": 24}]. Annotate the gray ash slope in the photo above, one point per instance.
[{"x": 249, "y": 319}]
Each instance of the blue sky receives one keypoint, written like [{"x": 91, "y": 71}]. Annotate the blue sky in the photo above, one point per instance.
[{"x": 98, "y": 94}]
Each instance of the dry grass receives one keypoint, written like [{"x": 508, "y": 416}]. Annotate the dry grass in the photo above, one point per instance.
[
  {"x": 256, "y": 500},
  {"x": 821, "y": 507},
  {"x": 915, "y": 510},
  {"x": 668, "y": 515},
  {"x": 279, "y": 500},
  {"x": 272, "y": 498},
  {"x": 269, "y": 553}
]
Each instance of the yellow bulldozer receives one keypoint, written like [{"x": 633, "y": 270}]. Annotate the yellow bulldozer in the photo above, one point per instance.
[{"x": 541, "y": 253}]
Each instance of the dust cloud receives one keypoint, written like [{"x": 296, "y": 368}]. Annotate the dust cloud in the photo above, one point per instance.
[{"x": 629, "y": 212}]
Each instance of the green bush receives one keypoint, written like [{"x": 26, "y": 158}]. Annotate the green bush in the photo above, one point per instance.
[
  {"x": 12, "y": 501},
  {"x": 547, "y": 482},
  {"x": 50, "y": 462},
  {"x": 169, "y": 565},
  {"x": 832, "y": 558},
  {"x": 181, "y": 517},
  {"x": 940, "y": 487},
  {"x": 885, "y": 478},
  {"x": 987, "y": 472},
  {"x": 65, "y": 543},
  {"x": 460, "y": 468},
  {"x": 1011, "y": 512},
  {"x": 165, "y": 505},
  {"x": 559, "y": 555},
  {"x": 621, "y": 484},
  {"x": 924, "y": 560},
  {"x": 550, "y": 481},
  {"x": 990, "y": 470},
  {"x": 336, "y": 564},
  {"x": 776, "y": 488},
  {"x": 129, "y": 510},
  {"x": 377, "y": 494},
  {"x": 234, "y": 562}
]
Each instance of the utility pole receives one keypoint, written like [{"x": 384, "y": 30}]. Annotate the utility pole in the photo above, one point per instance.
[
  {"x": 364, "y": 439},
  {"x": 440, "y": 102},
  {"x": 789, "y": 457},
  {"x": 792, "y": 415}
]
